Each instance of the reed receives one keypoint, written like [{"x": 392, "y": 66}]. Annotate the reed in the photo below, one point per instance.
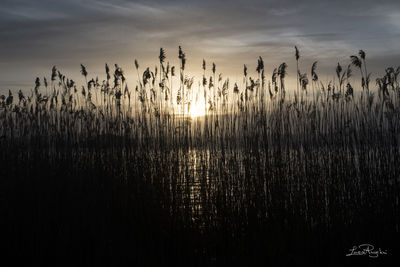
[{"x": 250, "y": 160}]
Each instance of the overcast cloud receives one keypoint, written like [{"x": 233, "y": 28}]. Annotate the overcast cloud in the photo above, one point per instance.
[{"x": 35, "y": 35}]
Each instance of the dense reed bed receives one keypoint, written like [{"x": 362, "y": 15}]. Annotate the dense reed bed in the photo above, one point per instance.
[{"x": 178, "y": 173}]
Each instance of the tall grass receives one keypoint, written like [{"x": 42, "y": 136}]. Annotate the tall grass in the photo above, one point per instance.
[{"x": 256, "y": 159}]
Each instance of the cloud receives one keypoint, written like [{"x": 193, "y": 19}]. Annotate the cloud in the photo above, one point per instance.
[{"x": 38, "y": 34}]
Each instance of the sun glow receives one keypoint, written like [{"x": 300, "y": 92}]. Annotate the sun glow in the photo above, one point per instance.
[{"x": 197, "y": 110}]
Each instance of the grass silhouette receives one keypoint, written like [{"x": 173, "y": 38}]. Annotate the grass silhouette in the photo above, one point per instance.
[{"x": 103, "y": 174}]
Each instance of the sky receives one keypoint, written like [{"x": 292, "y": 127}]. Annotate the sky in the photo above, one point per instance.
[{"x": 37, "y": 34}]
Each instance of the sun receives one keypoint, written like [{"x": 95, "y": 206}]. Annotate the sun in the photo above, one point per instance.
[
  {"x": 198, "y": 106},
  {"x": 197, "y": 110}
]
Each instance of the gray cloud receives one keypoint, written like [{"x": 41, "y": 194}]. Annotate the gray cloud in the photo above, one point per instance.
[{"x": 34, "y": 35}]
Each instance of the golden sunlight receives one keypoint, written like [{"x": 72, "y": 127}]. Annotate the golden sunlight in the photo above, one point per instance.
[
  {"x": 197, "y": 110},
  {"x": 198, "y": 107}
]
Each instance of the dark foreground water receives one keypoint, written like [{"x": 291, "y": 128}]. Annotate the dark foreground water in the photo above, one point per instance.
[{"x": 120, "y": 205}]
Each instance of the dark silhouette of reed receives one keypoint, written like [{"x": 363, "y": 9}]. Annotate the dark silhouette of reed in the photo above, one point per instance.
[{"x": 206, "y": 174}]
